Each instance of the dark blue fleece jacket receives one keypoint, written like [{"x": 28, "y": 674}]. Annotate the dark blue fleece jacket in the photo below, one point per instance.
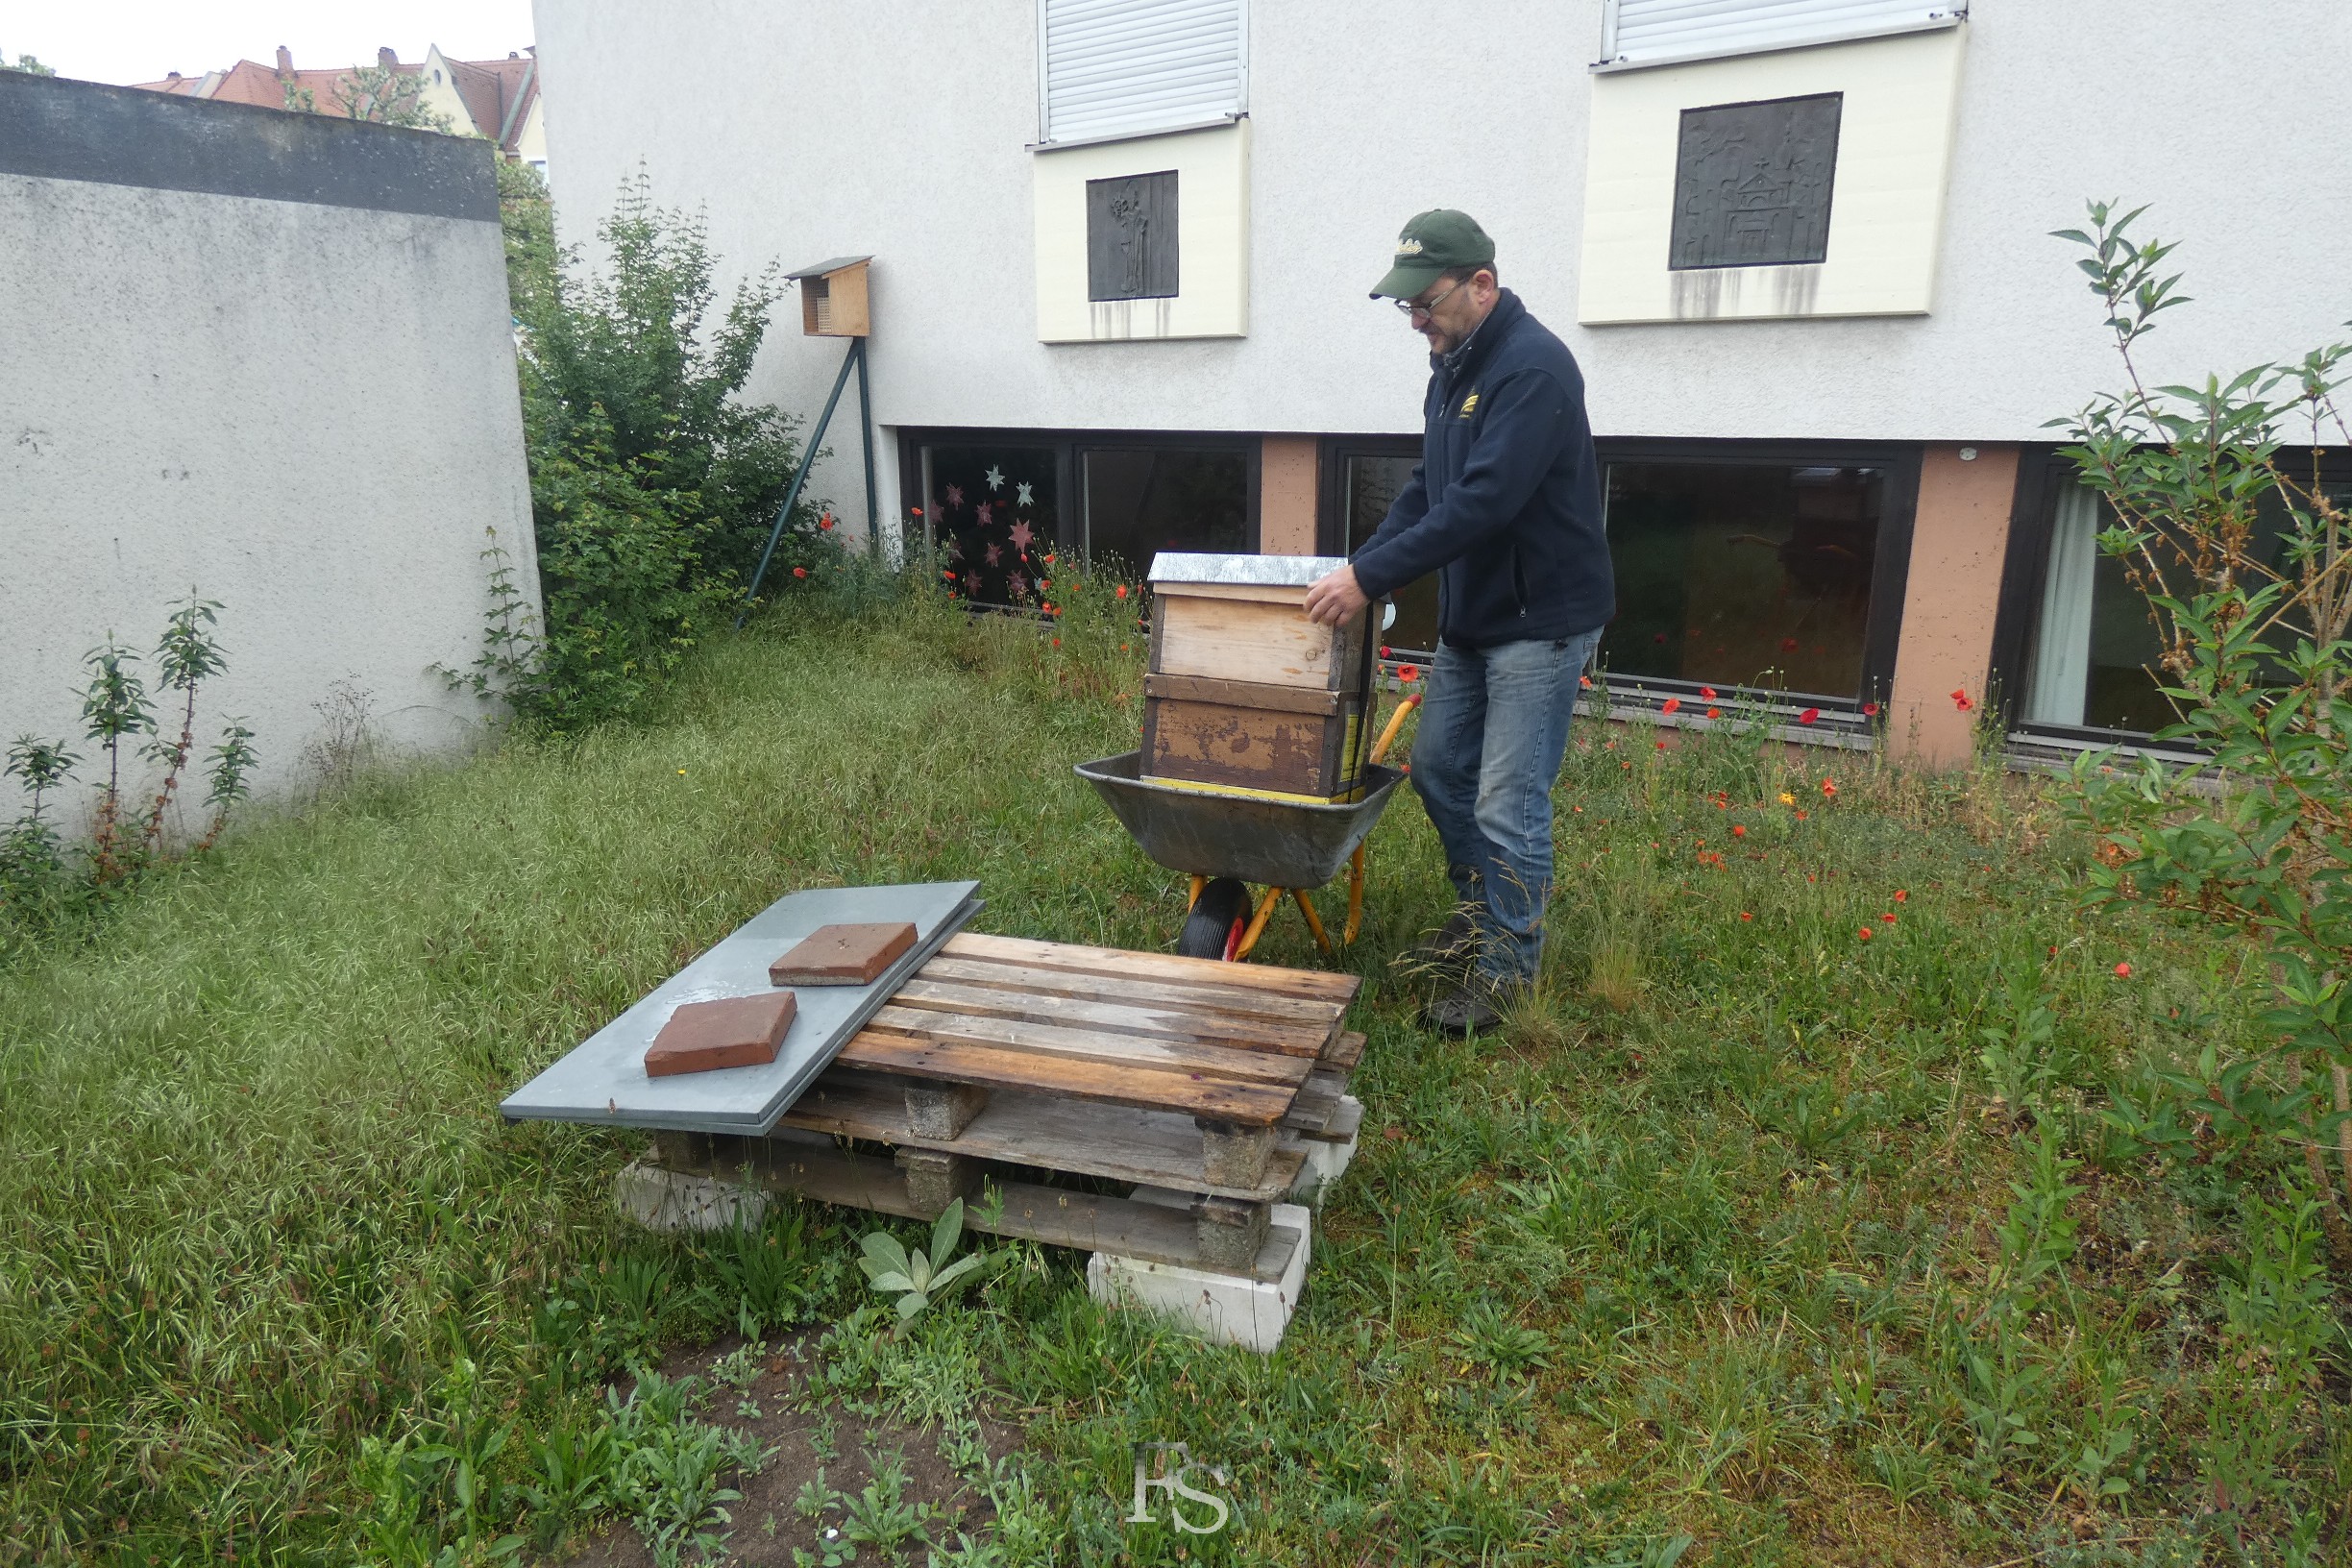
[{"x": 1506, "y": 504}]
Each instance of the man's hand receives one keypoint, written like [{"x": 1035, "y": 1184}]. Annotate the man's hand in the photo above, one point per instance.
[{"x": 1333, "y": 598}]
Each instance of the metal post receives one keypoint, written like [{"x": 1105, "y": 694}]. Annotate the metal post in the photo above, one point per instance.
[
  {"x": 873, "y": 522},
  {"x": 808, "y": 456}
]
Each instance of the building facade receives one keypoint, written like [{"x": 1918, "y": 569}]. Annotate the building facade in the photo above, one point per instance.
[{"x": 1800, "y": 247}]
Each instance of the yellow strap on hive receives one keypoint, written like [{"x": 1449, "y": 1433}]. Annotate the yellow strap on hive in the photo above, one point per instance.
[{"x": 1196, "y": 787}]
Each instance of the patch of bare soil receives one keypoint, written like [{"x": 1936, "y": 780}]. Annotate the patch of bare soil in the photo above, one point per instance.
[{"x": 827, "y": 1452}]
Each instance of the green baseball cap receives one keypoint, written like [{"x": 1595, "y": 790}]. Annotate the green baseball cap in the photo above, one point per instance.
[{"x": 1432, "y": 243}]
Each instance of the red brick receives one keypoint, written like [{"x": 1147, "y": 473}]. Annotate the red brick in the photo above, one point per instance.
[
  {"x": 843, "y": 955},
  {"x": 734, "y": 1031}
]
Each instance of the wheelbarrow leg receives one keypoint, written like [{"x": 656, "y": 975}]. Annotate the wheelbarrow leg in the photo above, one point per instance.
[
  {"x": 1258, "y": 923},
  {"x": 1354, "y": 919},
  {"x": 1313, "y": 922},
  {"x": 1198, "y": 882}
]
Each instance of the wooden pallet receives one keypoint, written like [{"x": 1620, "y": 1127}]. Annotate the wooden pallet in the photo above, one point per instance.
[{"x": 1002, "y": 1058}]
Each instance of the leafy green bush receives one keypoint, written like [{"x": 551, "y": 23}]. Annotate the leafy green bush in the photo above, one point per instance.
[{"x": 654, "y": 486}]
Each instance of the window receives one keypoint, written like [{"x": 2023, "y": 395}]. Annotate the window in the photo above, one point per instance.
[
  {"x": 1362, "y": 480},
  {"x": 1638, "y": 33},
  {"x": 1753, "y": 183},
  {"x": 994, "y": 513},
  {"x": 2091, "y": 647},
  {"x": 998, "y": 503},
  {"x": 1141, "y": 501},
  {"x": 1112, "y": 68},
  {"x": 1780, "y": 574}
]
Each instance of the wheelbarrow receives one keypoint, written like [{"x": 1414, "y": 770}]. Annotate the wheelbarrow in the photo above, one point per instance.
[{"x": 1225, "y": 841}]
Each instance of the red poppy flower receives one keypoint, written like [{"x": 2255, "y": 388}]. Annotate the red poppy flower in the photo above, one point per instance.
[
  {"x": 1585, "y": 682},
  {"x": 826, "y": 522},
  {"x": 1901, "y": 896},
  {"x": 1869, "y": 710},
  {"x": 1057, "y": 642},
  {"x": 1122, "y": 590},
  {"x": 1745, "y": 915},
  {"x": 1864, "y": 933},
  {"x": 1828, "y": 790},
  {"x": 1960, "y": 699},
  {"x": 1407, "y": 673},
  {"x": 1738, "y": 831},
  {"x": 2122, "y": 971},
  {"x": 1888, "y": 916},
  {"x": 1714, "y": 713},
  {"x": 1801, "y": 817},
  {"x": 1707, "y": 692},
  {"x": 1672, "y": 704},
  {"x": 799, "y": 571},
  {"x": 1662, "y": 745},
  {"x": 1049, "y": 560},
  {"x": 2054, "y": 952},
  {"x": 1808, "y": 716},
  {"x": 1384, "y": 650}
]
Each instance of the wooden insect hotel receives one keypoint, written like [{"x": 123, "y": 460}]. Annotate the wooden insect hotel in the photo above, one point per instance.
[
  {"x": 1245, "y": 694},
  {"x": 833, "y": 298}
]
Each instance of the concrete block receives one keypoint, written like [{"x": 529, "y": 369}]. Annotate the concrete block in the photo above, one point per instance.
[
  {"x": 1325, "y": 1161},
  {"x": 665, "y": 1200},
  {"x": 1222, "y": 1309}
]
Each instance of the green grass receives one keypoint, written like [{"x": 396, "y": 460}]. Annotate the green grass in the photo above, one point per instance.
[{"x": 1808, "y": 1248}]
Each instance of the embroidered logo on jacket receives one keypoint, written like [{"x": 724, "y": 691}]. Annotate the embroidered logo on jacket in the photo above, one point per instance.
[{"x": 1469, "y": 406}]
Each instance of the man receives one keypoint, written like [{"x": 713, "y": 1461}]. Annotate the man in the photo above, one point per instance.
[{"x": 1506, "y": 507}]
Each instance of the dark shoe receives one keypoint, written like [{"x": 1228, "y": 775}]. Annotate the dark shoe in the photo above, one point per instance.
[
  {"x": 1477, "y": 1003},
  {"x": 1450, "y": 949}
]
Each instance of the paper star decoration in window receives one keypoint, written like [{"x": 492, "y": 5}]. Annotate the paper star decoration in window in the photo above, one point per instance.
[
  {"x": 986, "y": 508},
  {"x": 1021, "y": 536},
  {"x": 995, "y": 477},
  {"x": 1017, "y": 584},
  {"x": 955, "y": 495},
  {"x": 994, "y": 555},
  {"x": 1022, "y": 499}
]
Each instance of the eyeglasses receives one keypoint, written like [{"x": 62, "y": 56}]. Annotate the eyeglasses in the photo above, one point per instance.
[{"x": 1412, "y": 308}]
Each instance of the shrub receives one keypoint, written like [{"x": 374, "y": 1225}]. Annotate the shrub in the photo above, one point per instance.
[
  {"x": 2255, "y": 659},
  {"x": 654, "y": 486}
]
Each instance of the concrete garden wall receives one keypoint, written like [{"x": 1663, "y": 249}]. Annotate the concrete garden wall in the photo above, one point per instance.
[{"x": 267, "y": 356}]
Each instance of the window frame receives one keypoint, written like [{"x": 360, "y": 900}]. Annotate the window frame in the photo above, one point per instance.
[
  {"x": 1889, "y": 567},
  {"x": 1890, "y": 564},
  {"x": 2043, "y": 475},
  {"x": 1070, "y": 448}
]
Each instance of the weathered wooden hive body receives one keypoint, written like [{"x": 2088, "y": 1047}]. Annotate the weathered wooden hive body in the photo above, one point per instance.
[{"x": 1245, "y": 694}]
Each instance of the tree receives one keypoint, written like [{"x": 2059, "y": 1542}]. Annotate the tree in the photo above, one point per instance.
[
  {"x": 2245, "y": 563},
  {"x": 27, "y": 64},
  {"x": 380, "y": 94}
]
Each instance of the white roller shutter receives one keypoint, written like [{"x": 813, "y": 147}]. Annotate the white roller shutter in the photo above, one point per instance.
[
  {"x": 1635, "y": 33},
  {"x": 1110, "y": 68}
]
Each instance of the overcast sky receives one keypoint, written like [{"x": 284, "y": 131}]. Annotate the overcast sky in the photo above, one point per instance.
[{"x": 144, "y": 40}]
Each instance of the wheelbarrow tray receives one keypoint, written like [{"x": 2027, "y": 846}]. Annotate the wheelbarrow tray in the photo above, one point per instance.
[{"x": 1276, "y": 843}]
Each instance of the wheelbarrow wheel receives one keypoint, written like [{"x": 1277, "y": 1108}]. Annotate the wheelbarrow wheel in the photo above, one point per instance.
[{"x": 1215, "y": 927}]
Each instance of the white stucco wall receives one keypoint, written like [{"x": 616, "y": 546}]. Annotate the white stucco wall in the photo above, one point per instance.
[
  {"x": 900, "y": 127},
  {"x": 305, "y": 411}
]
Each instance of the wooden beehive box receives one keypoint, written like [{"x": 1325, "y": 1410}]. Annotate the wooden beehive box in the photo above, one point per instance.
[{"x": 1245, "y": 694}]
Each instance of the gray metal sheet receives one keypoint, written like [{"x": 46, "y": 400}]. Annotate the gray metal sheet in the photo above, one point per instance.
[
  {"x": 604, "y": 1080},
  {"x": 1262, "y": 571}
]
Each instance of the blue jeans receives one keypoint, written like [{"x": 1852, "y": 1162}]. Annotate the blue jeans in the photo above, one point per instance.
[{"x": 1493, "y": 729}]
